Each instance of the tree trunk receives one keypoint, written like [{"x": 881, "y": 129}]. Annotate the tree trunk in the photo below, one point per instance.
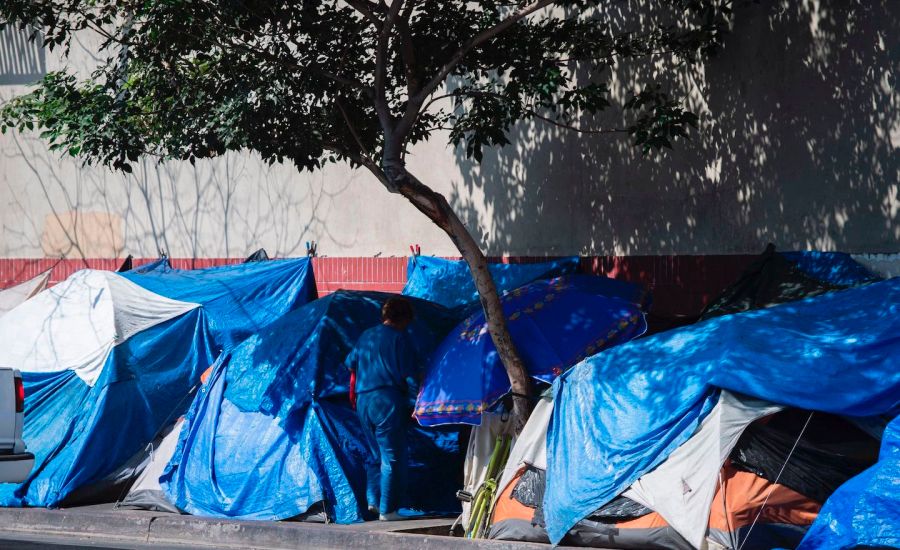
[{"x": 436, "y": 207}]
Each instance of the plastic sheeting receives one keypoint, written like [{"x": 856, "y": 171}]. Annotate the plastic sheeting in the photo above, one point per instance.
[
  {"x": 620, "y": 413},
  {"x": 238, "y": 299},
  {"x": 449, "y": 282},
  {"x": 15, "y": 295},
  {"x": 554, "y": 323},
  {"x": 837, "y": 268},
  {"x": 271, "y": 434},
  {"x": 80, "y": 433},
  {"x": 865, "y": 511}
]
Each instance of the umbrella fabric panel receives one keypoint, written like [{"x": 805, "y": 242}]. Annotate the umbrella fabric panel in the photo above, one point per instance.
[
  {"x": 865, "y": 511},
  {"x": 836, "y": 353},
  {"x": 449, "y": 282},
  {"x": 239, "y": 299},
  {"x": 554, "y": 324},
  {"x": 80, "y": 434}
]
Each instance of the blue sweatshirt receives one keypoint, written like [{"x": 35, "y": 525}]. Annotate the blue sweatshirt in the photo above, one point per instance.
[{"x": 384, "y": 357}]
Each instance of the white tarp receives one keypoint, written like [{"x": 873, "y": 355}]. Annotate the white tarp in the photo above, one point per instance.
[
  {"x": 682, "y": 488},
  {"x": 15, "y": 295},
  {"x": 74, "y": 325}
]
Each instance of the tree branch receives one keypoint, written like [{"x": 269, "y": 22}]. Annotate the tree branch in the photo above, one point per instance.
[
  {"x": 381, "y": 55},
  {"x": 575, "y": 128},
  {"x": 415, "y": 103},
  {"x": 367, "y": 10},
  {"x": 352, "y": 128}
]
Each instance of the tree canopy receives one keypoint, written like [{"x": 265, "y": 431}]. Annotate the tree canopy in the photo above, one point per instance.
[{"x": 319, "y": 81}]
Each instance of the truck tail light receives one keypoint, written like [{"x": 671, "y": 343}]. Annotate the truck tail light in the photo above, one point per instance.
[{"x": 20, "y": 395}]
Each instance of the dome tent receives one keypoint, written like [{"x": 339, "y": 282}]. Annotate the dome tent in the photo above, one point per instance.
[{"x": 106, "y": 365}]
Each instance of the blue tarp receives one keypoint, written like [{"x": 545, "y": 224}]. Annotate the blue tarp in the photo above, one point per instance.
[
  {"x": 273, "y": 434},
  {"x": 865, "y": 511},
  {"x": 837, "y": 268},
  {"x": 449, "y": 282},
  {"x": 79, "y": 434},
  {"x": 621, "y": 412},
  {"x": 554, "y": 324},
  {"x": 238, "y": 299}
]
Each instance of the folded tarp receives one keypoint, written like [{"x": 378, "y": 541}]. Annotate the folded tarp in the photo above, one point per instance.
[
  {"x": 15, "y": 295},
  {"x": 865, "y": 511},
  {"x": 449, "y": 282},
  {"x": 238, "y": 299},
  {"x": 272, "y": 433},
  {"x": 106, "y": 365},
  {"x": 620, "y": 413}
]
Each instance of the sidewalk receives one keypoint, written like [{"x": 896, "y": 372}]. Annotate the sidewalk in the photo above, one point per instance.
[{"x": 139, "y": 526}]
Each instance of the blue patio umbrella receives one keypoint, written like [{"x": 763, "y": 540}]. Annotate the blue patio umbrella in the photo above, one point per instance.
[{"x": 554, "y": 323}]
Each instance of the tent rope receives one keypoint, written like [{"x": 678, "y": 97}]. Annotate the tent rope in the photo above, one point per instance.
[{"x": 777, "y": 477}]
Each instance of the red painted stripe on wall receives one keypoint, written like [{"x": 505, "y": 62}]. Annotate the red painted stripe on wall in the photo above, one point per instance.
[{"x": 681, "y": 285}]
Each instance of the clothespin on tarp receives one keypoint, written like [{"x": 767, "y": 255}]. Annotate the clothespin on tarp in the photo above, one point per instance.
[
  {"x": 416, "y": 251},
  {"x": 311, "y": 247}
]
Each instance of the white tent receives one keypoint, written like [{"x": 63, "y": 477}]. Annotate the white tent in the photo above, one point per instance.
[
  {"x": 75, "y": 324},
  {"x": 146, "y": 493},
  {"x": 682, "y": 488},
  {"x": 15, "y": 295}
]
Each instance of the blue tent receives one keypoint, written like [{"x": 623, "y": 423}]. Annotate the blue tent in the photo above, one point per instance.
[
  {"x": 83, "y": 420},
  {"x": 865, "y": 511},
  {"x": 449, "y": 282},
  {"x": 620, "y": 413},
  {"x": 272, "y": 433},
  {"x": 554, "y": 324},
  {"x": 238, "y": 299}
]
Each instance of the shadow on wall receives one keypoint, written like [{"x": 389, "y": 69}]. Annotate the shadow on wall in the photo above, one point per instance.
[
  {"x": 21, "y": 61},
  {"x": 797, "y": 145}
]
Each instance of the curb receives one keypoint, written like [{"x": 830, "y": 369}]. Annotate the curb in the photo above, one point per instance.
[{"x": 151, "y": 528}]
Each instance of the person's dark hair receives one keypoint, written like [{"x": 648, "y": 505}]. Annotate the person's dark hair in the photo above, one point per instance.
[{"x": 397, "y": 311}]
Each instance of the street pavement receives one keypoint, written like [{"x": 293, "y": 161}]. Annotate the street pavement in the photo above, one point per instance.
[
  {"x": 20, "y": 541},
  {"x": 105, "y": 527}
]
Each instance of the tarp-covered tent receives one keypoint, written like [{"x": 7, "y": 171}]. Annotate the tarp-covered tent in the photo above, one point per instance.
[
  {"x": 752, "y": 488},
  {"x": 449, "y": 282},
  {"x": 238, "y": 299},
  {"x": 272, "y": 433},
  {"x": 834, "y": 353},
  {"x": 836, "y": 268},
  {"x": 770, "y": 280},
  {"x": 106, "y": 365},
  {"x": 15, "y": 295}
]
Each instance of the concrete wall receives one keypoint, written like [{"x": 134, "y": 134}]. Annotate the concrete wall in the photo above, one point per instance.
[{"x": 798, "y": 145}]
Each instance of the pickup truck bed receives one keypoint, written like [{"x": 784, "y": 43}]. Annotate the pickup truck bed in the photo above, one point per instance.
[{"x": 15, "y": 461}]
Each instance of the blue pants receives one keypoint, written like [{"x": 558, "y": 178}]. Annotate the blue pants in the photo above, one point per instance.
[{"x": 384, "y": 416}]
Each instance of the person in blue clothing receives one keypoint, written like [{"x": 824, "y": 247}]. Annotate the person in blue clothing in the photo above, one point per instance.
[{"x": 384, "y": 362}]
